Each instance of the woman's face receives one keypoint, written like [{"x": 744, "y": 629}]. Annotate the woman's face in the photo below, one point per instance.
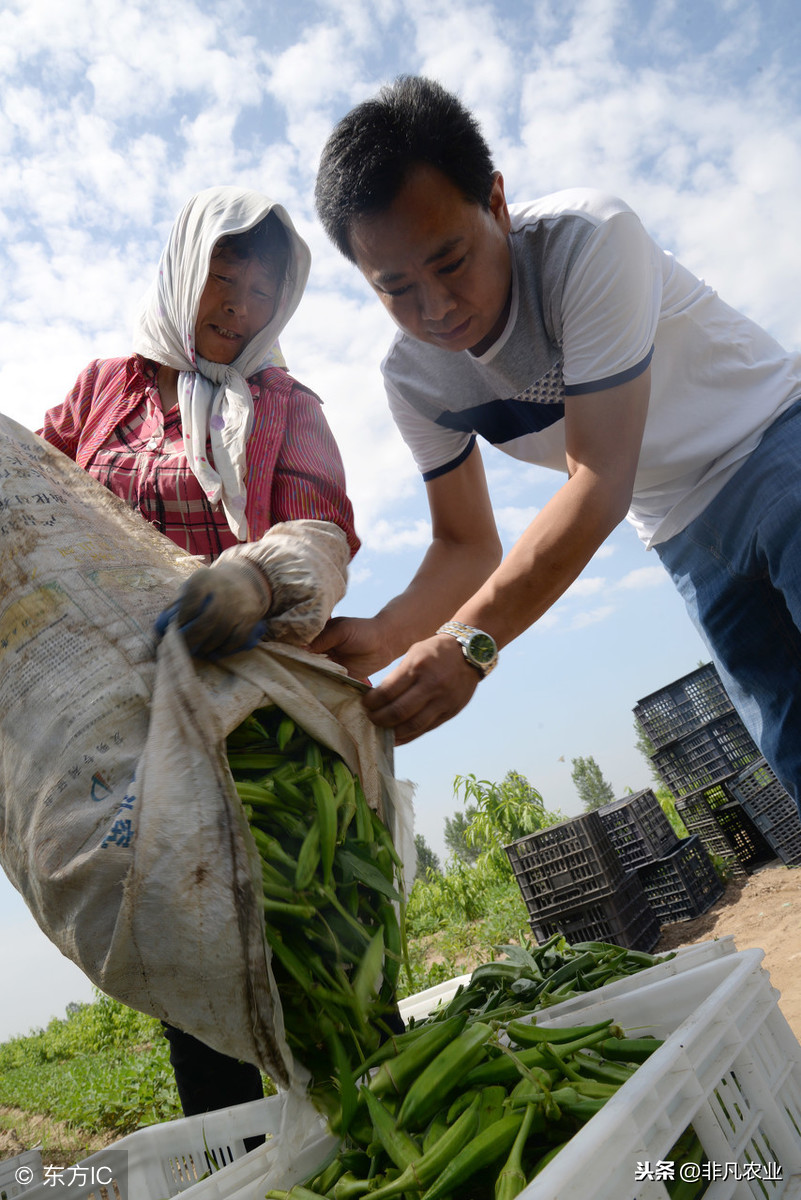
[{"x": 237, "y": 302}]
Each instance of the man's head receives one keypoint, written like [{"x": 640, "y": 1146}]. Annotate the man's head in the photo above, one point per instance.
[
  {"x": 407, "y": 191},
  {"x": 374, "y": 149}
]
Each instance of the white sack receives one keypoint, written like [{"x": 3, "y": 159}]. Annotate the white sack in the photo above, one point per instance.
[{"x": 119, "y": 822}]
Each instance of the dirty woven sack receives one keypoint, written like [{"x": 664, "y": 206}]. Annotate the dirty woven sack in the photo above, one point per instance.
[{"x": 119, "y": 822}]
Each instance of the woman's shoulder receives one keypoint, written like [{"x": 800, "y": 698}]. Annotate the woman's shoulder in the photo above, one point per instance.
[
  {"x": 278, "y": 380},
  {"x": 103, "y": 371}
]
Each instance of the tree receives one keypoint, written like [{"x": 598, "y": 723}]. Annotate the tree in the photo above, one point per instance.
[
  {"x": 646, "y": 749},
  {"x": 502, "y": 813},
  {"x": 591, "y": 786},
  {"x": 427, "y": 860},
  {"x": 456, "y": 838}
]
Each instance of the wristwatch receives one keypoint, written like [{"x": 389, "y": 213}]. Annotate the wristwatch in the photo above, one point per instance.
[{"x": 478, "y": 647}]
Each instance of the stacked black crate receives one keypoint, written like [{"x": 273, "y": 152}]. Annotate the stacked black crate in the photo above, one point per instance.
[
  {"x": 700, "y": 748},
  {"x": 771, "y": 808},
  {"x": 676, "y": 875},
  {"x": 573, "y": 883}
]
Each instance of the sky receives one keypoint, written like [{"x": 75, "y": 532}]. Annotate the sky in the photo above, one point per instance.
[{"x": 690, "y": 110}]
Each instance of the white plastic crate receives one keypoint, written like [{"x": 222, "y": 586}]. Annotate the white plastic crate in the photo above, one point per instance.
[
  {"x": 730, "y": 1066},
  {"x": 19, "y": 1172},
  {"x": 166, "y": 1160},
  {"x": 201, "y": 1156},
  {"x": 422, "y": 1003}
]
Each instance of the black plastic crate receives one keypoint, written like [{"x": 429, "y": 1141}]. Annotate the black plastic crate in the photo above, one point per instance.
[
  {"x": 683, "y": 884},
  {"x": 718, "y": 793},
  {"x": 699, "y": 818},
  {"x": 624, "y": 918},
  {"x": 751, "y": 848},
  {"x": 771, "y": 808},
  {"x": 638, "y": 828},
  {"x": 683, "y": 706},
  {"x": 565, "y": 865},
  {"x": 760, "y": 792},
  {"x": 722, "y": 747},
  {"x": 786, "y": 843}
]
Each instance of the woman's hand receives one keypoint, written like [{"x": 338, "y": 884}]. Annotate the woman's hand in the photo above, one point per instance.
[{"x": 220, "y": 610}]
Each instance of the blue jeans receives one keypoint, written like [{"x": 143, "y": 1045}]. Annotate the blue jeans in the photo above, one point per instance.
[{"x": 738, "y": 568}]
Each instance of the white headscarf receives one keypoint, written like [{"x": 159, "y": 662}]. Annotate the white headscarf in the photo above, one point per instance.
[{"x": 214, "y": 399}]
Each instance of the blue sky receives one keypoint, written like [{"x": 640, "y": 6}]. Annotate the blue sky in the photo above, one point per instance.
[{"x": 690, "y": 111}]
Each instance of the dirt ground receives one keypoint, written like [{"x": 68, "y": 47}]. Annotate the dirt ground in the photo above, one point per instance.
[{"x": 764, "y": 911}]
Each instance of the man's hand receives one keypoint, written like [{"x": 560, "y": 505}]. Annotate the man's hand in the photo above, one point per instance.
[
  {"x": 429, "y": 686},
  {"x": 356, "y": 643},
  {"x": 220, "y": 610}
]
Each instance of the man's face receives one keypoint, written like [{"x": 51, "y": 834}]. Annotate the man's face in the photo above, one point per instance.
[{"x": 439, "y": 262}]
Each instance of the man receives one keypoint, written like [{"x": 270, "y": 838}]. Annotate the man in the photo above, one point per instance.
[{"x": 563, "y": 334}]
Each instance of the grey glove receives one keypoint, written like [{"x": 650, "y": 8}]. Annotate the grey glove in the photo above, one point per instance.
[
  {"x": 221, "y": 609},
  {"x": 282, "y": 587},
  {"x": 306, "y": 565}
]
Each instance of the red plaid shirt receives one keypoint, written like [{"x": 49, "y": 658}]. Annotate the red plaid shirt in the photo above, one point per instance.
[{"x": 113, "y": 425}]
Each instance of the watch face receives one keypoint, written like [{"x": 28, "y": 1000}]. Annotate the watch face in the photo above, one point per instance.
[{"x": 482, "y": 648}]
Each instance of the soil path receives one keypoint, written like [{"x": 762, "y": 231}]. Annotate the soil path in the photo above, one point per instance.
[
  {"x": 61, "y": 1145},
  {"x": 764, "y": 913}
]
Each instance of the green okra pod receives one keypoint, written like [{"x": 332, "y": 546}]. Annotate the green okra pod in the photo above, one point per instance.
[
  {"x": 491, "y": 1107},
  {"x": 349, "y": 1187},
  {"x": 440, "y": 1123},
  {"x": 512, "y": 1179},
  {"x": 401, "y": 1148},
  {"x": 443, "y": 1075},
  {"x": 506, "y": 1067},
  {"x": 326, "y": 808},
  {"x": 426, "y": 1169},
  {"x": 634, "y": 1050},
  {"x": 308, "y": 858},
  {"x": 395, "y": 1075},
  {"x": 525, "y": 1033},
  {"x": 602, "y": 1070},
  {"x": 482, "y": 1151},
  {"x": 367, "y": 979}
]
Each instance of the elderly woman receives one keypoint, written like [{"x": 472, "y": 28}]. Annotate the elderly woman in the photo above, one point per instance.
[{"x": 204, "y": 432}]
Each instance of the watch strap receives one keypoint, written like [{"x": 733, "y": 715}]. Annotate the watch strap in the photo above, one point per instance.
[{"x": 465, "y": 634}]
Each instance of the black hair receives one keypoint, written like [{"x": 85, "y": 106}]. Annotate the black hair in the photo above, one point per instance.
[
  {"x": 268, "y": 241},
  {"x": 373, "y": 149}
]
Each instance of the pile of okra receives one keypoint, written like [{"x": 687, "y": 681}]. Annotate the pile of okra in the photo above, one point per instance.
[
  {"x": 474, "y": 1099},
  {"x": 332, "y": 897},
  {"x": 461, "y": 1107}
]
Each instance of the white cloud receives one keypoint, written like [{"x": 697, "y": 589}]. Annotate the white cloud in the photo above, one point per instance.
[
  {"x": 593, "y": 617},
  {"x": 643, "y": 578},
  {"x": 586, "y": 586},
  {"x": 513, "y": 521},
  {"x": 387, "y": 537}
]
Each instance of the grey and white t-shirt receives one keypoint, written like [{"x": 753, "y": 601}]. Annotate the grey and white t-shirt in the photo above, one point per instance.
[{"x": 594, "y": 301}]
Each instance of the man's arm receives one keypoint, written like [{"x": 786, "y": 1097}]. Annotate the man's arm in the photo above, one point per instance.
[
  {"x": 465, "y": 549},
  {"x": 603, "y": 433}
]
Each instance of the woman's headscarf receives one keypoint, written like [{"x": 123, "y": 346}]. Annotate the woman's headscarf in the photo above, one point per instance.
[{"x": 214, "y": 399}]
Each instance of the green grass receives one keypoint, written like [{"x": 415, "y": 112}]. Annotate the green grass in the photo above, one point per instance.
[
  {"x": 102, "y": 1067},
  {"x": 118, "y": 1090},
  {"x": 453, "y": 928},
  {"x": 105, "y": 1067}
]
